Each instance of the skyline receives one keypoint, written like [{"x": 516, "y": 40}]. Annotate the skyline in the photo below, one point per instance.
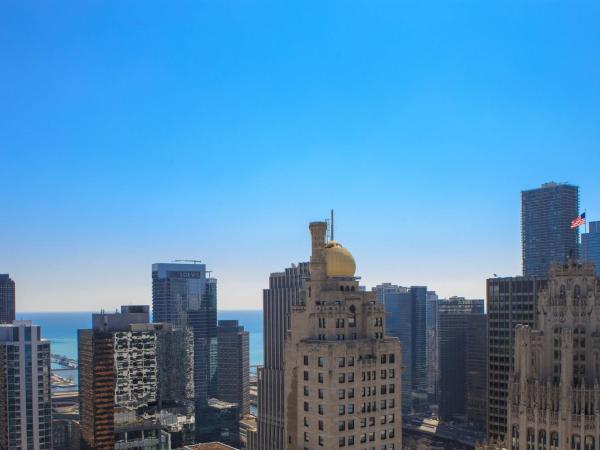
[{"x": 133, "y": 136}]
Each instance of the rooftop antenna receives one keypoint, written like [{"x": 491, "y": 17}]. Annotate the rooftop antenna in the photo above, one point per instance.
[{"x": 332, "y": 225}]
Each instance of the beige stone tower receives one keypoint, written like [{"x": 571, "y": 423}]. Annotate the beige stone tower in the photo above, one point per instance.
[
  {"x": 342, "y": 374},
  {"x": 554, "y": 392}
]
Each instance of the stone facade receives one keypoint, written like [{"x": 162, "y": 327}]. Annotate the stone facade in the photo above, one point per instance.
[
  {"x": 554, "y": 387},
  {"x": 342, "y": 373}
]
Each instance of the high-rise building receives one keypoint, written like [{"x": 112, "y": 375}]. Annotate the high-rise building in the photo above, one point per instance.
[
  {"x": 118, "y": 382},
  {"x": 546, "y": 234},
  {"x": 407, "y": 321},
  {"x": 462, "y": 347},
  {"x": 233, "y": 365},
  {"x": 25, "y": 397},
  {"x": 432, "y": 357},
  {"x": 221, "y": 423},
  {"x": 7, "y": 299},
  {"x": 590, "y": 245},
  {"x": 510, "y": 301},
  {"x": 387, "y": 288},
  {"x": 184, "y": 295},
  {"x": 278, "y": 299},
  {"x": 553, "y": 393},
  {"x": 342, "y": 372}
]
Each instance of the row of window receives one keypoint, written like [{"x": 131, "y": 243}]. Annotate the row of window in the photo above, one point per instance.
[
  {"x": 349, "y": 361},
  {"x": 550, "y": 442},
  {"x": 363, "y": 438}
]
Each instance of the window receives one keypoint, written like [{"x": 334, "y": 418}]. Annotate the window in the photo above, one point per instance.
[
  {"x": 392, "y": 373},
  {"x": 321, "y": 393},
  {"x": 342, "y": 441},
  {"x": 391, "y": 389},
  {"x": 321, "y": 425},
  {"x": 530, "y": 439},
  {"x": 350, "y": 361},
  {"x": 575, "y": 442},
  {"x": 305, "y": 421},
  {"x": 351, "y": 424},
  {"x": 341, "y": 425},
  {"x": 341, "y": 410},
  {"x": 305, "y": 406},
  {"x": 351, "y": 408},
  {"x": 306, "y": 391},
  {"x": 383, "y": 374},
  {"x": 383, "y": 358},
  {"x": 320, "y": 377},
  {"x": 305, "y": 375},
  {"x": 392, "y": 358},
  {"x": 321, "y": 361},
  {"x": 306, "y": 360},
  {"x": 589, "y": 443},
  {"x": 341, "y": 394},
  {"x": 515, "y": 438},
  {"x": 305, "y": 436},
  {"x": 542, "y": 440},
  {"x": 341, "y": 361},
  {"x": 383, "y": 389},
  {"x": 553, "y": 440},
  {"x": 320, "y": 409},
  {"x": 351, "y": 393},
  {"x": 321, "y": 441},
  {"x": 342, "y": 378},
  {"x": 350, "y": 377}
]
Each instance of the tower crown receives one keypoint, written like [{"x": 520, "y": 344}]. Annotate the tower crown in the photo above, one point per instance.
[{"x": 339, "y": 262}]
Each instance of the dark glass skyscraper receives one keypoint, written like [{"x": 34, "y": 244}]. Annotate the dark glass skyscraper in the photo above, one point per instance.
[
  {"x": 590, "y": 245},
  {"x": 183, "y": 295},
  {"x": 462, "y": 347},
  {"x": 406, "y": 320},
  {"x": 546, "y": 234},
  {"x": 7, "y": 299},
  {"x": 233, "y": 366}
]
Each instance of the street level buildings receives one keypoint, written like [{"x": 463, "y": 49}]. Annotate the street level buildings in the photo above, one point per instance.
[
  {"x": 342, "y": 372},
  {"x": 233, "y": 364},
  {"x": 590, "y": 245},
  {"x": 554, "y": 391},
  {"x": 283, "y": 293},
  {"x": 25, "y": 397},
  {"x": 546, "y": 234},
  {"x": 7, "y": 299}
]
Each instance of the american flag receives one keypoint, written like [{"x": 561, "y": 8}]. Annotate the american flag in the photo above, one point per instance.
[{"x": 578, "y": 221}]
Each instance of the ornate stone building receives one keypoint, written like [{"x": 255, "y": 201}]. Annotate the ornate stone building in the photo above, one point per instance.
[
  {"x": 554, "y": 388},
  {"x": 342, "y": 373}
]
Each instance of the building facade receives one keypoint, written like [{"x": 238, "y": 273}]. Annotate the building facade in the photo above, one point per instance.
[
  {"x": 25, "y": 396},
  {"x": 184, "y": 295},
  {"x": 432, "y": 358},
  {"x": 546, "y": 234},
  {"x": 406, "y": 320},
  {"x": 510, "y": 301},
  {"x": 7, "y": 299},
  {"x": 554, "y": 392},
  {"x": 278, "y": 299},
  {"x": 233, "y": 364},
  {"x": 590, "y": 245},
  {"x": 221, "y": 423},
  {"x": 118, "y": 382},
  {"x": 342, "y": 372},
  {"x": 462, "y": 346}
]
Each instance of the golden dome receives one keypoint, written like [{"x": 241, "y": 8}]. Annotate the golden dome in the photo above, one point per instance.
[{"x": 339, "y": 261}]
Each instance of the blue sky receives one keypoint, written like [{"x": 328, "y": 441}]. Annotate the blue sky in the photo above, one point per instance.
[{"x": 137, "y": 132}]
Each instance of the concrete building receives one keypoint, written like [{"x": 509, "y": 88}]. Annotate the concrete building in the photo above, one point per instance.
[
  {"x": 118, "y": 382},
  {"x": 510, "y": 301},
  {"x": 233, "y": 364},
  {"x": 462, "y": 346},
  {"x": 554, "y": 385},
  {"x": 25, "y": 397},
  {"x": 342, "y": 372},
  {"x": 278, "y": 299},
  {"x": 546, "y": 234},
  {"x": 406, "y": 320},
  {"x": 7, "y": 299},
  {"x": 590, "y": 245}
]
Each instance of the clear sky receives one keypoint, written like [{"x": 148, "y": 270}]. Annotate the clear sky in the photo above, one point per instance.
[{"x": 134, "y": 132}]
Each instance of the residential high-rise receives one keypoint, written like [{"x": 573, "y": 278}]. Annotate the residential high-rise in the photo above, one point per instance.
[
  {"x": 7, "y": 299},
  {"x": 118, "y": 379},
  {"x": 233, "y": 365},
  {"x": 278, "y": 299},
  {"x": 590, "y": 245},
  {"x": 546, "y": 234},
  {"x": 432, "y": 358},
  {"x": 553, "y": 387},
  {"x": 406, "y": 320},
  {"x": 184, "y": 295},
  {"x": 510, "y": 301},
  {"x": 342, "y": 372},
  {"x": 25, "y": 397},
  {"x": 462, "y": 347}
]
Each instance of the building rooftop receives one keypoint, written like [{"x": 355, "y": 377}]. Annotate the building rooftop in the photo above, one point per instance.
[{"x": 209, "y": 446}]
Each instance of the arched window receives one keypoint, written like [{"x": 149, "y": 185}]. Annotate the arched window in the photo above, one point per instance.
[
  {"x": 576, "y": 294},
  {"x": 515, "y": 438},
  {"x": 575, "y": 442},
  {"x": 579, "y": 356},
  {"x": 554, "y": 440},
  {"x": 562, "y": 297},
  {"x": 530, "y": 439},
  {"x": 589, "y": 443},
  {"x": 542, "y": 440}
]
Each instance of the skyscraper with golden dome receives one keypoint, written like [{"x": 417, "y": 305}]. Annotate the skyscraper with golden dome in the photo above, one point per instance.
[{"x": 342, "y": 373}]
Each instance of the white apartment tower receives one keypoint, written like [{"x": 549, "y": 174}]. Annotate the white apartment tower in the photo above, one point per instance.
[{"x": 342, "y": 373}]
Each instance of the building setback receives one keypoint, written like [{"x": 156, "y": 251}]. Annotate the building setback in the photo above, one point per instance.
[
  {"x": 511, "y": 301},
  {"x": 590, "y": 245},
  {"x": 462, "y": 346},
  {"x": 278, "y": 299},
  {"x": 233, "y": 365},
  {"x": 546, "y": 234},
  {"x": 7, "y": 299},
  {"x": 25, "y": 397},
  {"x": 342, "y": 372},
  {"x": 406, "y": 320}
]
